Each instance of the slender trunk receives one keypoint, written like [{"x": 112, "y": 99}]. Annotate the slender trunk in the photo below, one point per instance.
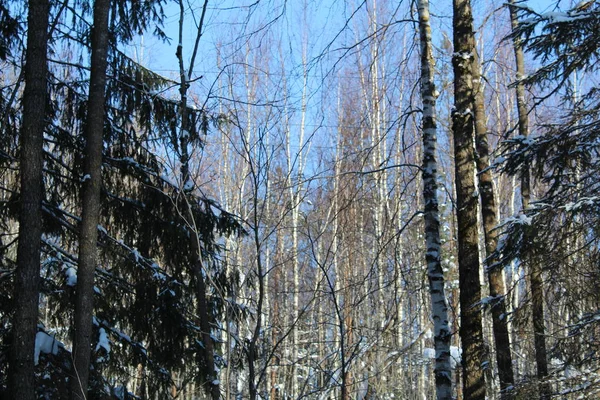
[
  {"x": 489, "y": 211},
  {"x": 466, "y": 198},
  {"x": 27, "y": 275},
  {"x": 535, "y": 273},
  {"x": 435, "y": 274},
  {"x": 338, "y": 332},
  {"x": 211, "y": 382},
  {"x": 92, "y": 181},
  {"x": 260, "y": 272},
  {"x": 296, "y": 188}
]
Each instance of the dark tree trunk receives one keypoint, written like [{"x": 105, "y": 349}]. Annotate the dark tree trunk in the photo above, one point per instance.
[
  {"x": 27, "y": 275},
  {"x": 535, "y": 272},
  {"x": 92, "y": 181},
  {"x": 489, "y": 210},
  {"x": 211, "y": 382},
  {"x": 253, "y": 345},
  {"x": 466, "y": 198}
]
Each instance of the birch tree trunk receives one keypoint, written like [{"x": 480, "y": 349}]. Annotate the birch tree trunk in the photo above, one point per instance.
[
  {"x": 295, "y": 171},
  {"x": 466, "y": 198},
  {"x": 435, "y": 274},
  {"x": 92, "y": 182},
  {"x": 27, "y": 275}
]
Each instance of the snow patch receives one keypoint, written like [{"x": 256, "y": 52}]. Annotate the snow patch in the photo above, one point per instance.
[
  {"x": 455, "y": 356},
  {"x": 46, "y": 344},
  {"x": 189, "y": 185},
  {"x": 428, "y": 352},
  {"x": 585, "y": 201},
  {"x": 71, "y": 275},
  {"x": 103, "y": 341}
]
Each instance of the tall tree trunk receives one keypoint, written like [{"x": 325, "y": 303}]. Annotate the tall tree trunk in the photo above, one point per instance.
[
  {"x": 92, "y": 181},
  {"x": 535, "y": 271},
  {"x": 254, "y": 375},
  {"x": 439, "y": 308},
  {"x": 466, "y": 198},
  {"x": 489, "y": 210},
  {"x": 27, "y": 275},
  {"x": 211, "y": 382}
]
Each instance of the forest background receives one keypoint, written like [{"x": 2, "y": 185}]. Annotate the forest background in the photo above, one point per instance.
[{"x": 265, "y": 203}]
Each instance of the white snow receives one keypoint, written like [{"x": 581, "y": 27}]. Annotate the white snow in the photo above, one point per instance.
[
  {"x": 216, "y": 211},
  {"x": 71, "y": 274},
  {"x": 46, "y": 344},
  {"x": 488, "y": 300},
  {"x": 520, "y": 219},
  {"x": 86, "y": 177},
  {"x": 455, "y": 356},
  {"x": 428, "y": 352},
  {"x": 103, "y": 341},
  {"x": 464, "y": 55},
  {"x": 584, "y": 201},
  {"x": 136, "y": 255},
  {"x": 557, "y": 17},
  {"x": 159, "y": 275},
  {"x": 189, "y": 185},
  {"x": 571, "y": 372}
]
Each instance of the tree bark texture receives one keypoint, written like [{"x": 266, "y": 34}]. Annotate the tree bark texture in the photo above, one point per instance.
[
  {"x": 489, "y": 211},
  {"x": 435, "y": 274},
  {"x": 92, "y": 182},
  {"x": 535, "y": 272},
  {"x": 27, "y": 274},
  {"x": 466, "y": 202}
]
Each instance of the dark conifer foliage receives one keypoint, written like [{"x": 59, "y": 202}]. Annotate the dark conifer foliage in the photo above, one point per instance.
[
  {"x": 9, "y": 29},
  {"x": 144, "y": 314},
  {"x": 560, "y": 228}
]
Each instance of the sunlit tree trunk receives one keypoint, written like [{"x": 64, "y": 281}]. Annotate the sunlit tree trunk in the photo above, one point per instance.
[
  {"x": 466, "y": 202},
  {"x": 435, "y": 274}
]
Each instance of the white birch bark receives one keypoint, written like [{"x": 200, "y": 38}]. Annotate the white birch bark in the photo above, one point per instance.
[{"x": 435, "y": 273}]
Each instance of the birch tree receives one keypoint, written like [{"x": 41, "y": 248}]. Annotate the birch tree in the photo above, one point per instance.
[{"x": 435, "y": 273}]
